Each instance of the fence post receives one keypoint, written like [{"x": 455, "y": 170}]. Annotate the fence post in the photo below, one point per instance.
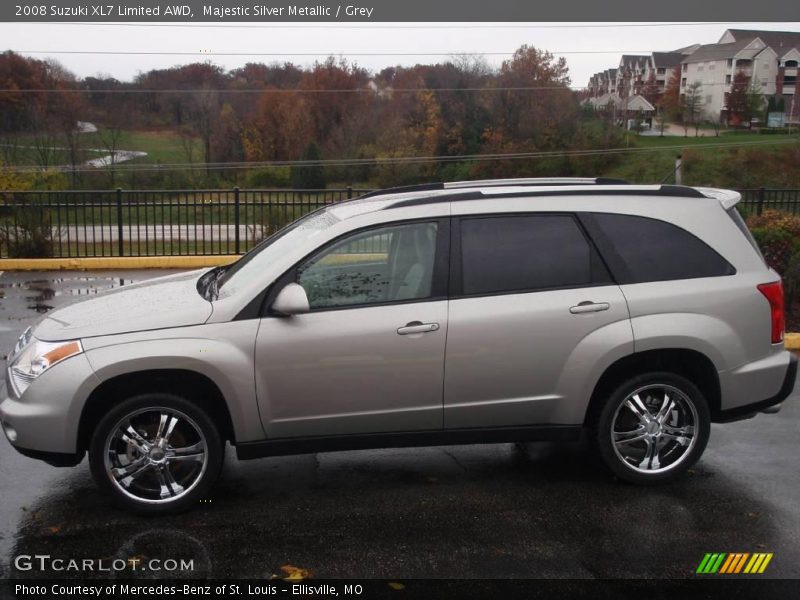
[
  {"x": 119, "y": 221},
  {"x": 349, "y": 192},
  {"x": 760, "y": 205},
  {"x": 236, "y": 218}
]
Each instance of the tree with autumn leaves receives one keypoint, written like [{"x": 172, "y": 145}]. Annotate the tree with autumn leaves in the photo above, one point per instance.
[{"x": 403, "y": 124}]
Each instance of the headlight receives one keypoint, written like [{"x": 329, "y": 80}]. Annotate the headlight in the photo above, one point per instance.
[{"x": 35, "y": 358}]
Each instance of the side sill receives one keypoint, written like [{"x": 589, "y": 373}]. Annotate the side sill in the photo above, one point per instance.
[{"x": 405, "y": 439}]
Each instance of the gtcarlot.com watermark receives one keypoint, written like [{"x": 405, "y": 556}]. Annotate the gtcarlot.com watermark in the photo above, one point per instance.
[{"x": 48, "y": 563}]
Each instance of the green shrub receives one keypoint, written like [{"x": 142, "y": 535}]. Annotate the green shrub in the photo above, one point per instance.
[
  {"x": 27, "y": 232},
  {"x": 278, "y": 177},
  {"x": 310, "y": 177}
]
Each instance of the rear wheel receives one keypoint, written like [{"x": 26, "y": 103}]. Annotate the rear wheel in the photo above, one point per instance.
[
  {"x": 156, "y": 453},
  {"x": 653, "y": 428}
]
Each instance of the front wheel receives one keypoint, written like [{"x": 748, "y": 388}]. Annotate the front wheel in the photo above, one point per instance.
[
  {"x": 156, "y": 454},
  {"x": 653, "y": 428}
]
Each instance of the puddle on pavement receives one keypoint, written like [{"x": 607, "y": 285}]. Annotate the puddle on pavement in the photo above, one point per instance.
[{"x": 38, "y": 292}]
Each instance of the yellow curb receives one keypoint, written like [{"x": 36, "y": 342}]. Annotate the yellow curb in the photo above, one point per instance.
[
  {"x": 115, "y": 262},
  {"x": 792, "y": 341}
]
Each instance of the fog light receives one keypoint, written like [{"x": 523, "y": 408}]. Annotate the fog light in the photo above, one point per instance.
[{"x": 10, "y": 432}]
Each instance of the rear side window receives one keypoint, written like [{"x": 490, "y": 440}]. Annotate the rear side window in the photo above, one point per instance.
[
  {"x": 739, "y": 221},
  {"x": 526, "y": 253},
  {"x": 644, "y": 249}
]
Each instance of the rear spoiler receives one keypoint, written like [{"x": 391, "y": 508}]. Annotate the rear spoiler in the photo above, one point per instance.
[{"x": 728, "y": 198}]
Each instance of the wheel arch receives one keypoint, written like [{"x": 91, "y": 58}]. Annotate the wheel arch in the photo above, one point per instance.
[
  {"x": 195, "y": 387},
  {"x": 694, "y": 365}
]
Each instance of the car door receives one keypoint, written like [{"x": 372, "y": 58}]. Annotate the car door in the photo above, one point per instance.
[
  {"x": 369, "y": 355},
  {"x": 529, "y": 293}
]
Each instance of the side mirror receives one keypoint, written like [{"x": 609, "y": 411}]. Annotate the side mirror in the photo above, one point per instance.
[{"x": 291, "y": 300}]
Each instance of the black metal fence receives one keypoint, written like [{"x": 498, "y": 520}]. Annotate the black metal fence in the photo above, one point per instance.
[
  {"x": 761, "y": 199},
  {"x": 150, "y": 222},
  {"x": 73, "y": 224}
]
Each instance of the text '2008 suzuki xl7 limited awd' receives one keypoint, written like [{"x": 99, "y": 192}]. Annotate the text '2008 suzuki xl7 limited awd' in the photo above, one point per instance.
[{"x": 488, "y": 311}]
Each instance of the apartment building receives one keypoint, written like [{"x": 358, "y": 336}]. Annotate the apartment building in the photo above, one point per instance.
[{"x": 768, "y": 58}]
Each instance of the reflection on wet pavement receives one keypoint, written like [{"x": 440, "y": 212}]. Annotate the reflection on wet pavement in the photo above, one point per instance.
[{"x": 500, "y": 511}]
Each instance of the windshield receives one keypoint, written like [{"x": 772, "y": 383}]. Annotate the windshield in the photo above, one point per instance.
[{"x": 252, "y": 265}]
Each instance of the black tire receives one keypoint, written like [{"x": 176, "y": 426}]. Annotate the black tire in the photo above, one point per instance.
[
  {"x": 680, "y": 451},
  {"x": 183, "y": 463}
]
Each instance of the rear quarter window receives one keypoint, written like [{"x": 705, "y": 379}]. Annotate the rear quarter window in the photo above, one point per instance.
[{"x": 641, "y": 249}]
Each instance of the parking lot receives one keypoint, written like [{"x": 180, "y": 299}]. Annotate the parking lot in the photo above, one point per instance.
[{"x": 489, "y": 511}]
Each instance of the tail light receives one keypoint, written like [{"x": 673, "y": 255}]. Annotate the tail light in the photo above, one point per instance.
[{"x": 773, "y": 292}]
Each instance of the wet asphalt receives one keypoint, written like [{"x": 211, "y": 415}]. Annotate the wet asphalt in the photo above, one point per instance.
[{"x": 483, "y": 511}]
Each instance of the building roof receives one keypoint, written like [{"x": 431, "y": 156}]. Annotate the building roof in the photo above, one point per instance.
[
  {"x": 667, "y": 59},
  {"x": 777, "y": 40},
  {"x": 628, "y": 59},
  {"x": 709, "y": 52}
]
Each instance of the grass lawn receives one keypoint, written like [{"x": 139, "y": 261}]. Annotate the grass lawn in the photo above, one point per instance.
[
  {"x": 706, "y": 163},
  {"x": 163, "y": 146}
]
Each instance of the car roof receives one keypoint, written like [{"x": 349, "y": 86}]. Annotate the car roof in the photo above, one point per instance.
[{"x": 497, "y": 188}]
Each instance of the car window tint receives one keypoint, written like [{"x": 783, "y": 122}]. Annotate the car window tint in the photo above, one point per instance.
[
  {"x": 516, "y": 253},
  {"x": 388, "y": 264},
  {"x": 654, "y": 250}
]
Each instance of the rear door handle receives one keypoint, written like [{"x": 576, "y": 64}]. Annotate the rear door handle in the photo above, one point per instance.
[
  {"x": 588, "y": 306},
  {"x": 417, "y": 327}
]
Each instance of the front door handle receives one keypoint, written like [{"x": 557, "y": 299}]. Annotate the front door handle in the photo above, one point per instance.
[
  {"x": 588, "y": 306},
  {"x": 417, "y": 327}
]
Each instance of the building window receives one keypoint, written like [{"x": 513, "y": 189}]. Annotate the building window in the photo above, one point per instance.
[
  {"x": 661, "y": 71},
  {"x": 685, "y": 67},
  {"x": 711, "y": 67},
  {"x": 790, "y": 64},
  {"x": 789, "y": 79},
  {"x": 683, "y": 82},
  {"x": 727, "y": 79},
  {"x": 730, "y": 63}
]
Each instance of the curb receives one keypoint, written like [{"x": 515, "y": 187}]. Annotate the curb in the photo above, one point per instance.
[
  {"x": 792, "y": 341},
  {"x": 115, "y": 262}
]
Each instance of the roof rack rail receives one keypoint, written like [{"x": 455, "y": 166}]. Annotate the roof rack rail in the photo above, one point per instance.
[
  {"x": 534, "y": 181},
  {"x": 660, "y": 190},
  {"x": 422, "y": 187},
  {"x": 523, "y": 181}
]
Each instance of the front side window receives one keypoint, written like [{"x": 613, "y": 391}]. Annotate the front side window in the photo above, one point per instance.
[
  {"x": 388, "y": 264},
  {"x": 526, "y": 253}
]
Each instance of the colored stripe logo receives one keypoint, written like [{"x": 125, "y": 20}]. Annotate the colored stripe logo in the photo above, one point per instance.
[{"x": 734, "y": 563}]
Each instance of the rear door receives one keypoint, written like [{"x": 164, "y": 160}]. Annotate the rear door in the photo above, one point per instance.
[{"x": 526, "y": 291}]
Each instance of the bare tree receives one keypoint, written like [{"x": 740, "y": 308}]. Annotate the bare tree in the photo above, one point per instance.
[
  {"x": 714, "y": 121},
  {"x": 693, "y": 106},
  {"x": 110, "y": 136}
]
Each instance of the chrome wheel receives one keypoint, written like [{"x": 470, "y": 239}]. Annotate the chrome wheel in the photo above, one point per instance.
[
  {"x": 654, "y": 429},
  {"x": 155, "y": 455}
]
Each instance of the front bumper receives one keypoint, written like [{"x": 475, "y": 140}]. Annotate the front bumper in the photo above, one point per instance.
[
  {"x": 43, "y": 423},
  {"x": 770, "y": 405}
]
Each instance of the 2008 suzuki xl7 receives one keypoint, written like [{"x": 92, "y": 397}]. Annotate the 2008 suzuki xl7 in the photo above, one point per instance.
[{"x": 470, "y": 312}]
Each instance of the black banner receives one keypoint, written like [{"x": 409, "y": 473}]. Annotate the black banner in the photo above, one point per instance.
[
  {"x": 399, "y": 589},
  {"x": 393, "y": 11}
]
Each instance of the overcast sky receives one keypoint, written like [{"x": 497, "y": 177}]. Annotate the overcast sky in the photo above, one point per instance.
[{"x": 595, "y": 48}]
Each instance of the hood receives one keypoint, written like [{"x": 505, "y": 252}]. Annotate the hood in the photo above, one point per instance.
[{"x": 170, "y": 301}]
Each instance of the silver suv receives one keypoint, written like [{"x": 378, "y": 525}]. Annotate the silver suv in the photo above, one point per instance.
[{"x": 460, "y": 313}]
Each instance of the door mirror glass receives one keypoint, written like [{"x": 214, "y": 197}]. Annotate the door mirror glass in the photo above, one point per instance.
[{"x": 291, "y": 300}]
